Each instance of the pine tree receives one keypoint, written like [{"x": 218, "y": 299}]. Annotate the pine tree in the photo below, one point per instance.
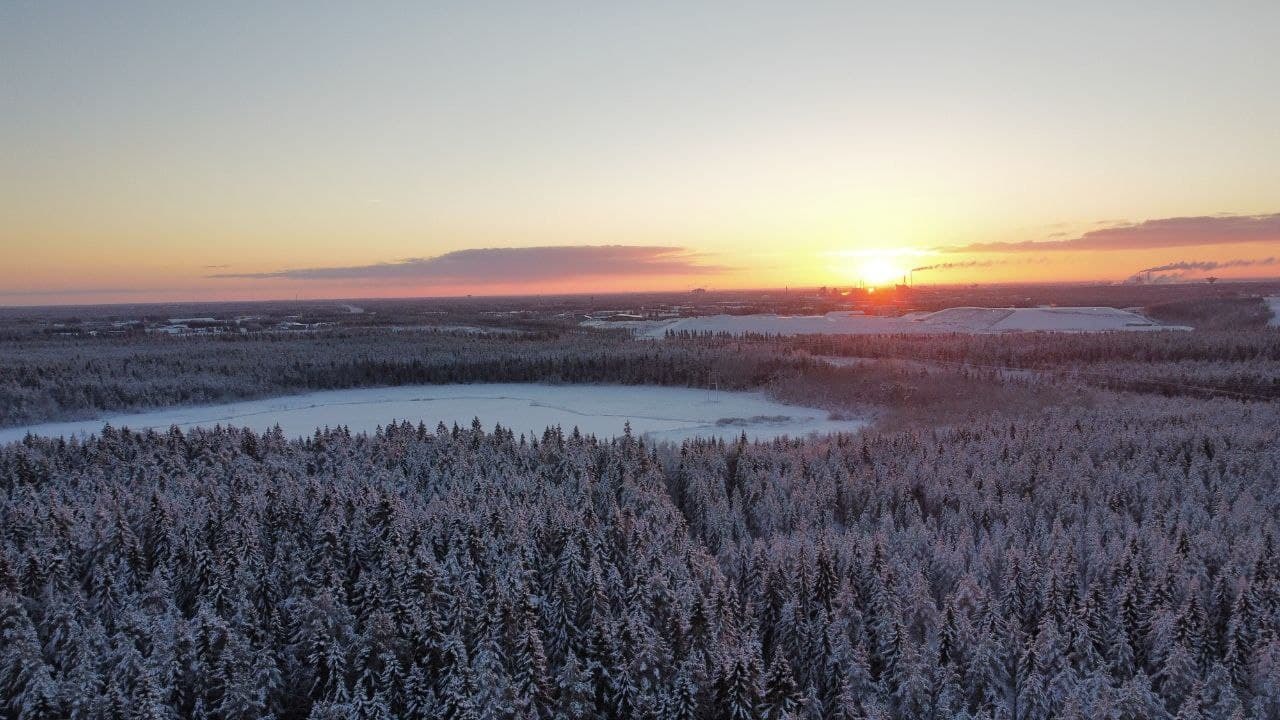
[
  {"x": 420, "y": 702},
  {"x": 530, "y": 680},
  {"x": 1178, "y": 676},
  {"x": 1240, "y": 638},
  {"x": 1218, "y": 698},
  {"x": 573, "y": 691},
  {"x": 736, "y": 694},
  {"x": 458, "y": 700},
  {"x": 781, "y": 696}
]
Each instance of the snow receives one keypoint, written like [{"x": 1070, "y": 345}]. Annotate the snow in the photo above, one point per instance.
[
  {"x": 1274, "y": 303},
  {"x": 473, "y": 330},
  {"x": 1041, "y": 319},
  {"x": 656, "y": 413},
  {"x": 458, "y": 329},
  {"x": 951, "y": 320},
  {"x": 642, "y": 328}
]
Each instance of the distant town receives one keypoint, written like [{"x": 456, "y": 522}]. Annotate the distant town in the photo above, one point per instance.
[{"x": 535, "y": 313}]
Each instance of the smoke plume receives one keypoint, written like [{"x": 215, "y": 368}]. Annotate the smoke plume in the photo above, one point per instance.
[
  {"x": 954, "y": 265},
  {"x": 1206, "y": 265}
]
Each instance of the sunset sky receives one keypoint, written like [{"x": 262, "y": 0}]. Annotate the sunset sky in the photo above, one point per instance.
[{"x": 204, "y": 151}]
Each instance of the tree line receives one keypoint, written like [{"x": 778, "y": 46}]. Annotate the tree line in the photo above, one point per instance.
[
  {"x": 51, "y": 379},
  {"x": 60, "y": 378}
]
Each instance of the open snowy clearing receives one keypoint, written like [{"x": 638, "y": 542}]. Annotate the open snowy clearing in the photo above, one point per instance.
[
  {"x": 951, "y": 320},
  {"x": 1274, "y": 303},
  {"x": 656, "y": 413}
]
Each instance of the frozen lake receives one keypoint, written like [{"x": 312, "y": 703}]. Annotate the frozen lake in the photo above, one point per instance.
[{"x": 657, "y": 413}]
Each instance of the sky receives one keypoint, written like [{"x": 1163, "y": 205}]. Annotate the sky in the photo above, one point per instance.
[{"x": 154, "y": 151}]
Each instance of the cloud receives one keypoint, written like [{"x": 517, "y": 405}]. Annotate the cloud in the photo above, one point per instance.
[
  {"x": 505, "y": 265},
  {"x": 215, "y": 267},
  {"x": 71, "y": 291},
  {"x": 1160, "y": 233}
]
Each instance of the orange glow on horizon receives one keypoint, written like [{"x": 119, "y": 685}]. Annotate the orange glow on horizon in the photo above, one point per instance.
[{"x": 879, "y": 271}]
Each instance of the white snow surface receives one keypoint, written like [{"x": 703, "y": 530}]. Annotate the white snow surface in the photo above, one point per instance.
[
  {"x": 1274, "y": 302},
  {"x": 951, "y": 320},
  {"x": 656, "y": 413}
]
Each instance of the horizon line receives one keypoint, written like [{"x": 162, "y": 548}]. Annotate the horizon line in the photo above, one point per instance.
[{"x": 498, "y": 296}]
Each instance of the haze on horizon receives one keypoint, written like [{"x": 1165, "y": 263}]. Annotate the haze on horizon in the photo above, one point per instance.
[{"x": 153, "y": 151}]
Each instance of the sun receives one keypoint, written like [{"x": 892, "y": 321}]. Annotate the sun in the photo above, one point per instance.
[{"x": 879, "y": 272}]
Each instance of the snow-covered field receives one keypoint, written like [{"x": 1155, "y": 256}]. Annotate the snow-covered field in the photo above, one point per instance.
[
  {"x": 951, "y": 320},
  {"x": 456, "y": 329},
  {"x": 657, "y": 413},
  {"x": 1274, "y": 302}
]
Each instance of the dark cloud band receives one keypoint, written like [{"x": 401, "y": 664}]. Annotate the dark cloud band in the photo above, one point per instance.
[
  {"x": 1160, "y": 233},
  {"x": 506, "y": 265}
]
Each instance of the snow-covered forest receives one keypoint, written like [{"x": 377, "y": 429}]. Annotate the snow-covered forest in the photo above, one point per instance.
[
  {"x": 1035, "y": 526},
  {"x": 1244, "y": 364},
  {"x": 1112, "y": 562},
  {"x": 69, "y": 378},
  {"x": 43, "y": 379}
]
